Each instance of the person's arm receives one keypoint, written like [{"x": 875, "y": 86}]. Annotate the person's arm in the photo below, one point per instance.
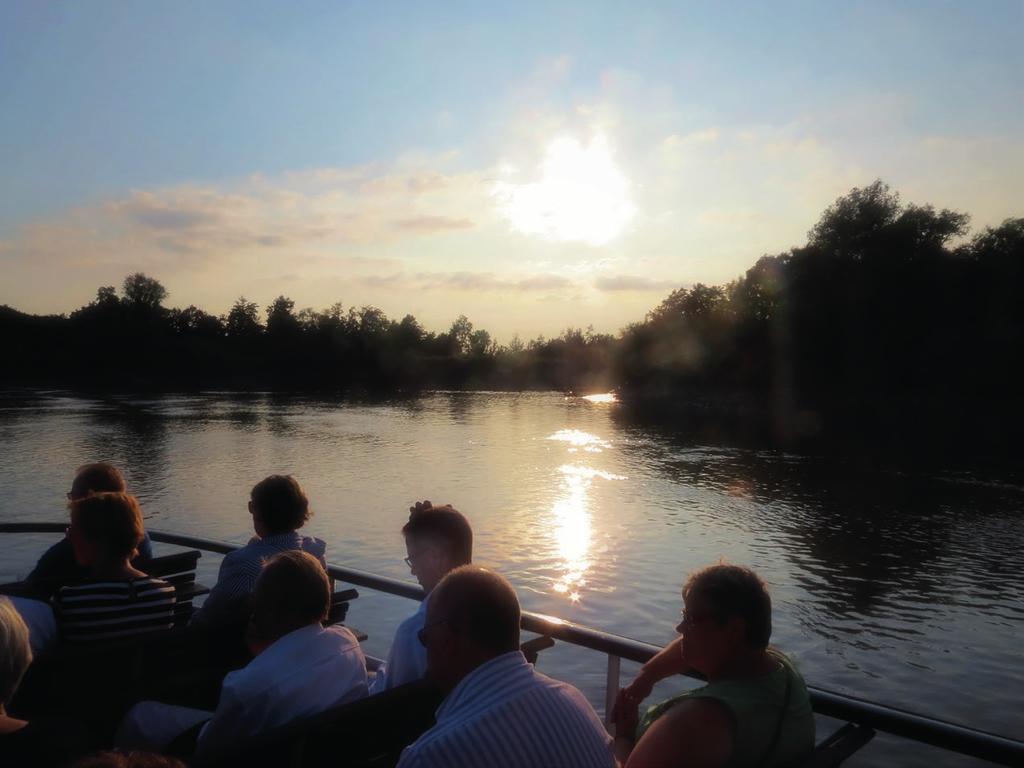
[
  {"x": 698, "y": 732},
  {"x": 227, "y": 600},
  {"x": 55, "y": 569},
  {"x": 667, "y": 662},
  {"x": 625, "y": 716},
  {"x": 625, "y": 712},
  {"x": 145, "y": 550},
  {"x": 230, "y": 724}
]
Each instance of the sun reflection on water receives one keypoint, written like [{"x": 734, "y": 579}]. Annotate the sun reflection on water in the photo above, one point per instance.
[
  {"x": 604, "y": 397},
  {"x": 573, "y": 528},
  {"x": 577, "y": 439}
]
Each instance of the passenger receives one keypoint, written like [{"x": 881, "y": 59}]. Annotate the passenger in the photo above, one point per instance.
[
  {"x": 499, "y": 711},
  {"x": 754, "y": 711},
  {"x": 279, "y": 507},
  {"x": 39, "y": 743},
  {"x": 117, "y": 600},
  {"x": 300, "y": 668},
  {"x": 437, "y": 539},
  {"x": 57, "y": 567}
]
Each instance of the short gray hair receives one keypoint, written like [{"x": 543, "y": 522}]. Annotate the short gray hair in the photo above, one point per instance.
[
  {"x": 480, "y": 605},
  {"x": 15, "y": 652}
]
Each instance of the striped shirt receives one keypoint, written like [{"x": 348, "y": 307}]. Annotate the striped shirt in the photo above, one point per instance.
[
  {"x": 102, "y": 609},
  {"x": 505, "y": 714}
]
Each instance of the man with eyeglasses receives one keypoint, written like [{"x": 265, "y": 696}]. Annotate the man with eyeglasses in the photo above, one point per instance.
[
  {"x": 498, "y": 712},
  {"x": 437, "y": 539}
]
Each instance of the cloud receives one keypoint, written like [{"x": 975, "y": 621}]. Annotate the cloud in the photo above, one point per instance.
[
  {"x": 632, "y": 283},
  {"x": 467, "y": 281},
  {"x": 186, "y": 226},
  {"x": 428, "y": 224},
  {"x": 150, "y": 211}
]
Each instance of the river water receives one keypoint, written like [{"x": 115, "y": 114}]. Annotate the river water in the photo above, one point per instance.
[{"x": 902, "y": 586}]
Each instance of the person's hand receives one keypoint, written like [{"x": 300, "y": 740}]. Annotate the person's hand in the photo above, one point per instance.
[
  {"x": 625, "y": 714},
  {"x": 420, "y": 506},
  {"x": 641, "y": 687},
  {"x": 423, "y": 506}
]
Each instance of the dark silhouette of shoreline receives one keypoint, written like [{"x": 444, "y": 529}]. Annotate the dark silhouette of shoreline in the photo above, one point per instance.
[{"x": 879, "y": 332}]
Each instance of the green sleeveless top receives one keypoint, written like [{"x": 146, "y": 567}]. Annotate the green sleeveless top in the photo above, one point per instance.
[{"x": 755, "y": 705}]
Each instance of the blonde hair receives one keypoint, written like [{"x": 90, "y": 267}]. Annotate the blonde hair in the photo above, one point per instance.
[{"x": 15, "y": 651}]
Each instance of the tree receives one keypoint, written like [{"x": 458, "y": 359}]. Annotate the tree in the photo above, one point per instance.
[
  {"x": 106, "y": 295},
  {"x": 409, "y": 332},
  {"x": 280, "y": 317},
  {"x": 480, "y": 344},
  {"x": 143, "y": 291},
  {"x": 459, "y": 336},
  {"x": 849, "y": 224},
  {"x": 243, "y": 319},
  {"x": 195, "y": 321}
]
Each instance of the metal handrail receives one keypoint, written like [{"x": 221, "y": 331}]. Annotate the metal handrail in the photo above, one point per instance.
[{"x": 940, "y": 733}]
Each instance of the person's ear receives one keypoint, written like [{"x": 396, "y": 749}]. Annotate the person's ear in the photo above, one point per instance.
[{"x": 736, "y": 627}]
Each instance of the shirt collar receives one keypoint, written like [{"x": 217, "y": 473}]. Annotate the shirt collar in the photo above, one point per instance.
[
  {"x": 278, "y": 539},
  {"x": 481, "y": 682}
]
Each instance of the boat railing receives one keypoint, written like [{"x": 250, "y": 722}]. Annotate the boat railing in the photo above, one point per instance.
[{"x": 898, "y": 722}]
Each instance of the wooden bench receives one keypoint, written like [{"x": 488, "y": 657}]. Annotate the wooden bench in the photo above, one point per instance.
[
  {"x": 179, "y": 570},
  {"x": 368, "y": 733}
]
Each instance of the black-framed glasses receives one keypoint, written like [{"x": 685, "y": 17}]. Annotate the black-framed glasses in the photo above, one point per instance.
[
  {"x": 417, "y": 555},
  {"x": 422, "y": 634}
]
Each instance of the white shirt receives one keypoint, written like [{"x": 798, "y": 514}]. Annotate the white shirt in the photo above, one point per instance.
[
  {"x": 505, "y": 714},
  {"x": 305, "y": 672},
  {"x": 407, "y": 659}
]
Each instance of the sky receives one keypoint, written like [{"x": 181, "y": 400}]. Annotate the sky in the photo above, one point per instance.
[{"x": 533, "y": 166}]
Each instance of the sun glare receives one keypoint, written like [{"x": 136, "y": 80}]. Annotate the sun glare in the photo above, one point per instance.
[{"x": 581, "y": 194}]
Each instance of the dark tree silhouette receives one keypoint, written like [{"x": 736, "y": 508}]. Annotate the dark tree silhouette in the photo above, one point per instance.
[
  {"x": 244, "y": 319},
  {"x": 143, "y": 291}
]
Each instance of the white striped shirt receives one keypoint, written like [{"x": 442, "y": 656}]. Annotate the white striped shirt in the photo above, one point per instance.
[
  {"x": 505, "y": 714},
  {"x": 105, "y": 609}
]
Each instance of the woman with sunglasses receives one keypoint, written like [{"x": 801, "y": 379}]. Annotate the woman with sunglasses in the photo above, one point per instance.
[{"x": 754, "y": 711}]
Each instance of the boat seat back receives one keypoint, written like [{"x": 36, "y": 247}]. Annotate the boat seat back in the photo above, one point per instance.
[
  {"x": 180, "y": 570},
  {"x": 368, "y": 733}
]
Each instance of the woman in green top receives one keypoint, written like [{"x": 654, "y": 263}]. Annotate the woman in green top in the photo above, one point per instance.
[{"x": 753, "y": 713}]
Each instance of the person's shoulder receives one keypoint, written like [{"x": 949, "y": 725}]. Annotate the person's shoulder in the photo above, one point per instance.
[
  {"x": 412, "y": 622},
  {"x": 706, "y": 719},
  {"x": 568, "y": 695},
  {"x": 246, "y": 554},
  {"x": 341, "y": 635}
]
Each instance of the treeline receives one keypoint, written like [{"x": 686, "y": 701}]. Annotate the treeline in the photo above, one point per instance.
[
  {"x": 131, "y": 341},
  {"x": 887, "y": 319}
]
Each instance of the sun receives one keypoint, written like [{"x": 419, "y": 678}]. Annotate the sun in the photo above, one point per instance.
[{"x": 581, "y": 194}]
